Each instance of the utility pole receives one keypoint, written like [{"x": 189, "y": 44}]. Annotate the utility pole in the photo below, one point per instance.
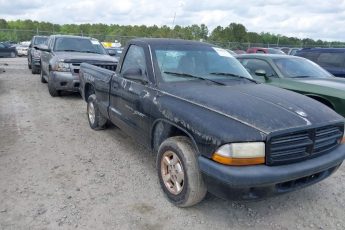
[{"x": 173, "y": 22}]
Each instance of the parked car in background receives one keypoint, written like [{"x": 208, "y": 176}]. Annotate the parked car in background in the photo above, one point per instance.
[
  {"x": 22, "y": 50},
  {"x": 298, "y": 74},
  {"x": 211, "y": 126},
  {"x": 7, "y": 50},
  {"x": 10, "y": 43},
  {"x": 331, "y": 59},
  {"x": 238, "y": 51},
  {"x": 293, "y": 51},
  {"x": 264, "y": 50},
  {"x": 61, "y": 58},
  {"x": 284, "y": 49},
  {"x": 34, "y": 55}
]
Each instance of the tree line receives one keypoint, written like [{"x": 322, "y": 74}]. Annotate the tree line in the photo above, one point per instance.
[{"x": 20, "y": 30}]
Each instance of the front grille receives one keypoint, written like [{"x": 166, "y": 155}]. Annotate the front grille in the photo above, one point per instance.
[
  {"x": 109, "y": 67},
  {"x": 301, "y": 145}
]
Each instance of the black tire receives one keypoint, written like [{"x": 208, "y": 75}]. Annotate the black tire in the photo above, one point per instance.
[
  {"x": 51, "y": 88},
  {"x": 193, "y": 188},
  {"x": 34, "y": 70},
  {"x": 42, "y": 77},
  {"x": 98, "y": 122}
]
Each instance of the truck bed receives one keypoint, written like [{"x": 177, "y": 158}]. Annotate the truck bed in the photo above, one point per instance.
[{"x": 98, "y": 76}]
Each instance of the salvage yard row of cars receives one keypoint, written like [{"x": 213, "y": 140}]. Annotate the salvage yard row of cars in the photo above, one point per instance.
[{"x": 217, "y": 123}]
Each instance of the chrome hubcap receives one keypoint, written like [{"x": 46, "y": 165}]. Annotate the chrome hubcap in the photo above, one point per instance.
[
  {"x": 172, "y": 172},
  {"x": 91, "y": 113}
]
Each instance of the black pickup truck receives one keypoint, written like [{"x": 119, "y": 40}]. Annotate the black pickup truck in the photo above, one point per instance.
[{"x": 212, "y": 126}]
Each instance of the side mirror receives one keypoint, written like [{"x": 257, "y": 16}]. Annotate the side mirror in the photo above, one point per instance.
[
  {"x": 261, "y": 73},
  {"x": 43, "y": 48},
  {"x": 135, "y": 74},
  {"x": 112, "y": 52}
]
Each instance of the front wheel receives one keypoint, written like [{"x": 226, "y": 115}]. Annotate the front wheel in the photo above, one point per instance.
[
  {"x": 51, "y": 88},
  {"x": 178, "y": 172},
  {"x": 96, "y": 120},
  {"x": 42, "y": 77}
]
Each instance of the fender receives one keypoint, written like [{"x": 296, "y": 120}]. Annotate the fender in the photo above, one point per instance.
[{"x": 174, "y": 125}]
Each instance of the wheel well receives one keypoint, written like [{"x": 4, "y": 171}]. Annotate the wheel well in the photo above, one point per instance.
[
  {"x": 322, "y": 100},
  {"x": 88, "y": 90},
  {"x": 162, "y": 131}
]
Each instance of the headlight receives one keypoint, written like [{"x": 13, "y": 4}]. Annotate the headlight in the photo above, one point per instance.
[
  {"x": 62, "y": 67},
  {"x": 36, "y": 53},
  {"x": 250, "y": 153}
]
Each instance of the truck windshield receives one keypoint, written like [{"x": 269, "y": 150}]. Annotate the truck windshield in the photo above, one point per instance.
[
  {"x": 40, "y": 40},
  {"x": 78, "y": 45},
  {"x": 213, "y": 63},
  {"x": 300, "y": 68}
]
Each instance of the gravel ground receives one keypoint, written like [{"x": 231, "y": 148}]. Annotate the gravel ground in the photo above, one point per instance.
[{"x": 57, "y": 173}]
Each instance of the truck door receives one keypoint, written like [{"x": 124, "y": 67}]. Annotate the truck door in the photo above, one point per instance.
[{"x": 130, "y": 96}]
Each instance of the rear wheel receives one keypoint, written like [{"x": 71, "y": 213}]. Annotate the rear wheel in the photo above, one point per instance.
[
  {"x": 96, "y": 120},
  {"x": 179, "y": 173}
]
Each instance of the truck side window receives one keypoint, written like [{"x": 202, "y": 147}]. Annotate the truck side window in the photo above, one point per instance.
[{"x": 135, "y": 58}]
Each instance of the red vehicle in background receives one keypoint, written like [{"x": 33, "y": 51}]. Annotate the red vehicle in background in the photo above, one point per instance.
[{"x": 264, "y": 50}]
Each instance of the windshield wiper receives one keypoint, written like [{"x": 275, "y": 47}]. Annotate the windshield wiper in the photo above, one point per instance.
[
  {"x": 301, "y": 76},
  {"x": 88, "y": 51},
  {"x": 234, "y": 75},
  {"x": 192, "y": 76}
]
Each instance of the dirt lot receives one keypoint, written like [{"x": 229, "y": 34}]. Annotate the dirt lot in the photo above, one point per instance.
[{"x": 57, "y": 173}]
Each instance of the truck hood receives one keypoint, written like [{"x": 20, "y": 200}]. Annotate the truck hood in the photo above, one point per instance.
[
  {"x": 263, "y": 107},
  {"x": 78, "y": 57},
  {"x": 334, "y": 82}
]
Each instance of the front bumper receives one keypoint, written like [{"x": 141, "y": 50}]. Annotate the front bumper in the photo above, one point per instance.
[
  {"x": 256, "y": 182},
  {"x": 65, "y": 81}
]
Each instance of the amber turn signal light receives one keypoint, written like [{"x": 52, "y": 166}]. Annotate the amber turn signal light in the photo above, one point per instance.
[{"x": 238, "y": 161}]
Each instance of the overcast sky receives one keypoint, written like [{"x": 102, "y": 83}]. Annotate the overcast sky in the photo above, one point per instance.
[{"x": 317, "y": 19}]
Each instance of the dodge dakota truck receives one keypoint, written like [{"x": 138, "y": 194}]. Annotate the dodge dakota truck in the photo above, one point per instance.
[
  {"x": 213, "y": 128},
  {"x": 61, "y": 58}
]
